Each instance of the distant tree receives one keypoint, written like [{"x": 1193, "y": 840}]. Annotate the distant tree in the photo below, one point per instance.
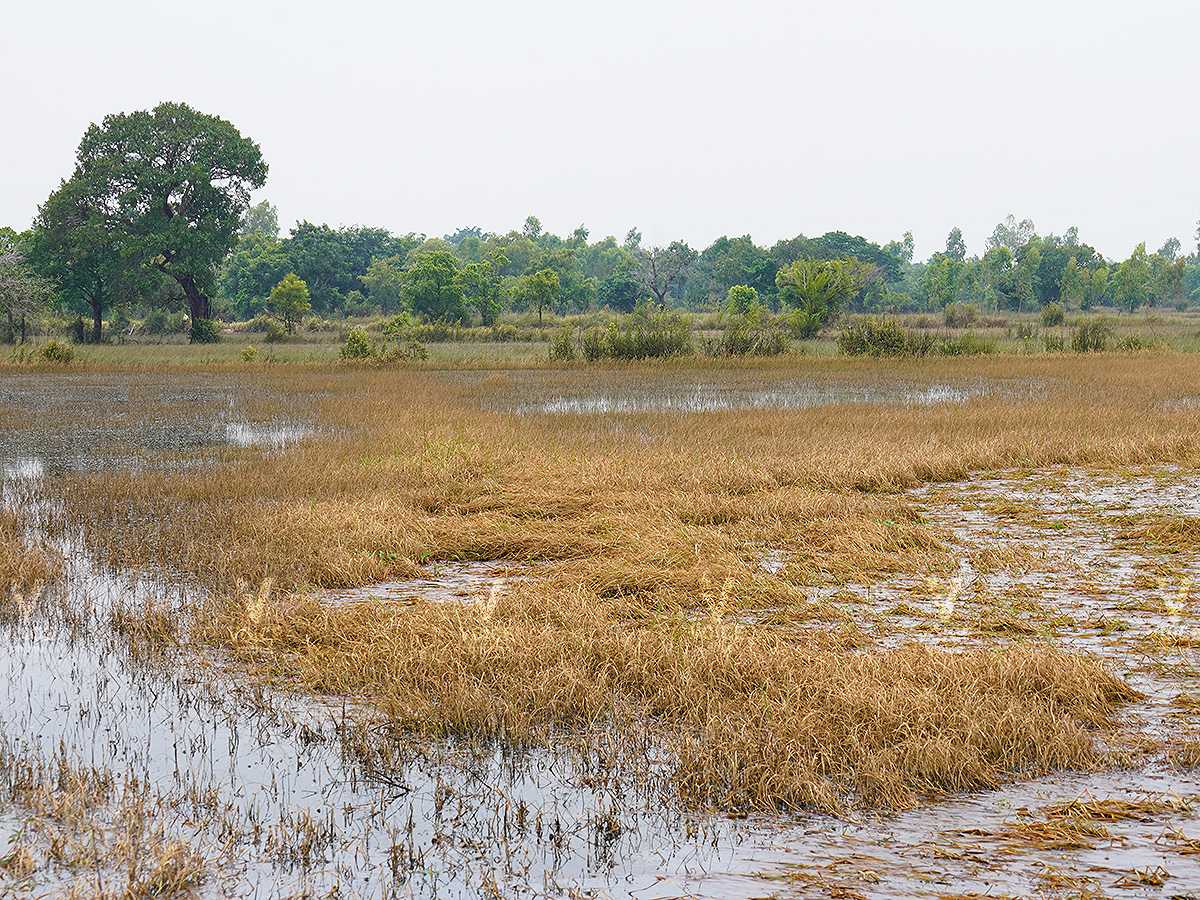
[
  {"x": 1132, "y": 280},
  {"x": 432, "y": 288},
  {"x": 618, "y": 291},
  {"x": 1170, "y": 249},
  {"x": 384, "y": 281},
  {"x": 902, "y": 249},
  {"x": 1070, "y": 285},
  {"x": 255, "y": 266},
  {"x": 483, "y": 285},
  {"x": 539, "y": 290},
  {"x": 73, "y": 244},
  {"x": 661, "y": 267},
  {"x": 262, "y": 218},
  {"x": 465, "y": 232},
  {"x": 956, "y": 247},
  {"x": 532, "y": 228},
  {"x": 23, "y": 292},
  {"x": 290, "y": 300},
  {"x": 170, "y": 186},
  {"x": 741, "y": 299},
  {"x": 633, "y": 238},
  {"x": 1012, "y": 234}
]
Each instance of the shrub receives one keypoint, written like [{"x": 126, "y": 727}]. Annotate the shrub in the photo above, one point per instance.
[
  {"x": 401, "y": 331},
  {"x": 1053, "y": 343},
  {"x": 358, "y": 345},
  {"x": 649, "y": 334},
  {"x": 57, "y": 351},
  {"x": 249, "y": 353},
  {"x": 592, "y": 345},
  {"x": 1053, "y": 315},
  {"x": 1091, "y": 336},
  {"x": 882, "y": 337},
  {"x": 562, "y": 344},
  {"x": 204, "y": 331},
  {"x": 960, "y": 315},
  {"x": 275, "y": 333},
  {"x": 967, "y": 344}
]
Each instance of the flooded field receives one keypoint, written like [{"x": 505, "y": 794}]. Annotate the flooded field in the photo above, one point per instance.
[
  {"x": 617, "y": 394},
  {"x": 134, "y": 762}
]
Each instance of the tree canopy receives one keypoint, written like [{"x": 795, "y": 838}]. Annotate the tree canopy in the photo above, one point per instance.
[{"x": 169, "y": 187}]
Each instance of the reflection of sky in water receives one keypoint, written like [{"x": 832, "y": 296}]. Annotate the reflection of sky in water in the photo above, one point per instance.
[
  {"x": 27, "y": 469},
  {"x": 245, "y": 434},
  {"x": 701, "y": 398}
]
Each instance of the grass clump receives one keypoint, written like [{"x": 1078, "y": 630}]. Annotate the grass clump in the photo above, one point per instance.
[{"x": 751, "y": 717}]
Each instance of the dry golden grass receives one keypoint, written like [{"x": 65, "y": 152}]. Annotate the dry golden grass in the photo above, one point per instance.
[
  {"x": 24, "y": 567},
  {"x": 647, "y": 531},
  {"x": 750, "y": 717}
]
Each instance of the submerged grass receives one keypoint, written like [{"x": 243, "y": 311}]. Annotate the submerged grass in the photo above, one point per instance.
[{"x": 651, "y": 615}]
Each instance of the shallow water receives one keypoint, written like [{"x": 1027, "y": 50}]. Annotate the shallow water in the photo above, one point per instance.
[
  {"x": 286, "y": 794},
  {"x": 626, "y": 394}
]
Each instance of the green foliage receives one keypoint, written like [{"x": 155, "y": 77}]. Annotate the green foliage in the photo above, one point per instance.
[
  {"x": 749, "y": 330},
  {"x": 1091, "y": 336},
  {"x": 562, "y": 344},
  {"x": 538, "y": 290},
  {"x": 432, "y": 288},
  {"x": 160, "y": 321},
  {"x": 169, "y": 187},
  {"x": 1053, "y": 343},
  {"x": 290, "y": 300},
  {"x": 816, "y": 289},
  {"x": 249, "y": 353},
  {"x": 960, "y": 315},
  {"x": 60, "y": 352},
  {"x": 967, "y": 344},
  {"x": 274, "y": 333},
  {"x": 357, "y": 344},
  {"x": 204, "y": 331},
  {"x": 1053, "y": 315},
  {"x": 400, "y": 332},
  {"x": 868, "y": 336}
]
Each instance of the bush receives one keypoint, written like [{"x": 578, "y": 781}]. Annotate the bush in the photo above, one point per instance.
[
  {"x": 358, "y": 345},
  {"x": 968, "y": 344},
  {"x": 749, "y": 338},
  {"x": 649, "y": 334},
  {"x": 562, "y": 344},
  {"x": 882, "y": 337},
  {"x": 1053, "y": 343},
  {"x": 1091, "y": 337},
  {"x": 401, "y": 331},
  {"x": 1053, "y": 315},
  {"x": 57, "y": 351},
  {"x": 275, "y": 333},
  {"x": 960, "y": 315},
  {"x": 249, "y": 353},
  {"x": 204, "y": 331}
]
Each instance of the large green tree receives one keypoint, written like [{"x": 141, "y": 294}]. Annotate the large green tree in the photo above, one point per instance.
[
  {"x": 170, "y": 186},
  {"x": 432, "y": 287}
]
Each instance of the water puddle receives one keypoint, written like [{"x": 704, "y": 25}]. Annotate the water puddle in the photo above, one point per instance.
[
  {"x": 626, "y": 394},
  {"x": 444, "y": 582}
]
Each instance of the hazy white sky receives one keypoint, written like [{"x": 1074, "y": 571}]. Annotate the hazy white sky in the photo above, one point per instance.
[{"x": 688, "y": 120}]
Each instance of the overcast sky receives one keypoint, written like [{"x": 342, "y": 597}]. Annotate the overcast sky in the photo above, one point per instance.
[{"x": 688, "y": 120}]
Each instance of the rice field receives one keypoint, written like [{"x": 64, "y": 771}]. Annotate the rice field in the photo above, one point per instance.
[{"x": 813, "y": 627}]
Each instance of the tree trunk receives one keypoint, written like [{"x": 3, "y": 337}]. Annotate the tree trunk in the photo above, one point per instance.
[{"x": 198, "y": 305}]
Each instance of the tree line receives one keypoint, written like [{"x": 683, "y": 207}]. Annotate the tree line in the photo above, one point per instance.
[{"x": 156, "y": 215}]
